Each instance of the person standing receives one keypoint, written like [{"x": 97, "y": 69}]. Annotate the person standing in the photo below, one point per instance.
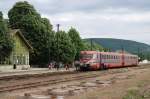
[
  {"x": 50, "y": 66},
  {"x": 77, "y": 64},
  {"x": 14, "y": 67}
]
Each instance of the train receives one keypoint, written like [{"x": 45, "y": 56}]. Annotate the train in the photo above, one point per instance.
[{"x": 95, "y": 60}]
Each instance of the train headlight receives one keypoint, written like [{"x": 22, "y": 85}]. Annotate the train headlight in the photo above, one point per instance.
[{"x": 81, "y": 64}]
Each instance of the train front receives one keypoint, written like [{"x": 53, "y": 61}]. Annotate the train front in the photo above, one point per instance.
[{"x": 88, "y": 60}]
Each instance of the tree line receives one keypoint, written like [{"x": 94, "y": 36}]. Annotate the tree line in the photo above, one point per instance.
[{"x": 48, "y": 45}]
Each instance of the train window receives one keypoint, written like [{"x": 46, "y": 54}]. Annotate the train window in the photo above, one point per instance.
[
  {"x": 103, "y": 57},
  {"x": 87, "y": 56}
]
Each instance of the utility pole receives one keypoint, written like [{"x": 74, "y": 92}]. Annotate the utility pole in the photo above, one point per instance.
[
  {"x": 58, "y": 25},
  {"x": 49, "y": 56},
  {"x": 91, "y": 44},
  {"x": 122, "y": 49},
  {"x": 138, "y": 51}
]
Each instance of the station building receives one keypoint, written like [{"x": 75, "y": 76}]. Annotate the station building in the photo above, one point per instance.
[{"x": 20, "y": 53}]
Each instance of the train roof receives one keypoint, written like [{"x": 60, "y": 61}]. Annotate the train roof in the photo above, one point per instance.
[{"x": 110, "y": 53}]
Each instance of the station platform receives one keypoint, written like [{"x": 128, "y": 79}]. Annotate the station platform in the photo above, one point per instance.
[{"x": 32, "y": 71}]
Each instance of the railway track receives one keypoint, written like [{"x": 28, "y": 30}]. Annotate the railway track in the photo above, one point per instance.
[
  {"x": 46, "y": 82},
  {"x": 78, "y": 76}
]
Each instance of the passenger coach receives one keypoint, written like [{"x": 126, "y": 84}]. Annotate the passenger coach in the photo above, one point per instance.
[{"x": 93, "y": 60}]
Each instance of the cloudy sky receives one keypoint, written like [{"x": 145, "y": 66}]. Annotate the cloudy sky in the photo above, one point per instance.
[{"x": 123, "y": 19}]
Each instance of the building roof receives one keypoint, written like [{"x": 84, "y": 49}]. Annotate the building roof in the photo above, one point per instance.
[{"x": 17, "y": 31}]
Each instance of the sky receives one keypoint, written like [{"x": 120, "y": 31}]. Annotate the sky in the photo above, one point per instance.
[{"x": 122, "y": 19}]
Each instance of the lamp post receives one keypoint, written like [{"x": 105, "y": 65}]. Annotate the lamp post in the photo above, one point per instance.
[{"x": 58, "y": 25}]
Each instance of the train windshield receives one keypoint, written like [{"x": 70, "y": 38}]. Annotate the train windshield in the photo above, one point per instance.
[{"x": 86, "y": 56}]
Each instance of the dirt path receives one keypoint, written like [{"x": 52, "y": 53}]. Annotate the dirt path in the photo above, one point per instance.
[
  {"x": 121, "y": 83},
  {"x": 128, "y": 85}
]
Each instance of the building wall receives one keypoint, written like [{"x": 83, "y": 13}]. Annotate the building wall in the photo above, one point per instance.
[
  {"x": 10, "y": 67},
  {"x": 20, "y": 53}
]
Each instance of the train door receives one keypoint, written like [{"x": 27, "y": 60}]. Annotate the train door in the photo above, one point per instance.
[{"x": 100, "y": 59}]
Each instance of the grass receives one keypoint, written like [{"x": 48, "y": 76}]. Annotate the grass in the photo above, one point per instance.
[
  {"x": 137, "y": 94},
  {"x": 133, "y": 94}
]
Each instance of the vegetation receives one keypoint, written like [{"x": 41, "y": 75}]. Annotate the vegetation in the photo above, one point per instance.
[
  {"x": 5, "y": 40},
  {"x": 61, "y": 46},
  {"x": 141, "y": 49},
  {"x": 137, "y": 94},
  {"x": 77, "y": 41},
  {"x": 36, "y": 29},
  {"x": 94, "y": 46},
  {"x": 63, "y": 49}
]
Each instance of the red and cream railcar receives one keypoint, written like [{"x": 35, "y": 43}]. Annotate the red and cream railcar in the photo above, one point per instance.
[{"x": 94, "y": 60}]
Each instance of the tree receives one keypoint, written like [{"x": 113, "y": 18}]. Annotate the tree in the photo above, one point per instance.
[
  {"x": 6, "y": 44},
  {"x": 63, "y": 50},
  {"x": 36, "y": 30},
  {"x": 95, "y": 46},
  {"x": 77, "y": 41}
]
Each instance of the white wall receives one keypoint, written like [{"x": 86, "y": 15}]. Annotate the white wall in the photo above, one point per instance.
[{"x": 10, "y": 67}]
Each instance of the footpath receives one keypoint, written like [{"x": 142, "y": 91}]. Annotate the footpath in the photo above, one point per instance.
[{"x": 33, "y": 71}]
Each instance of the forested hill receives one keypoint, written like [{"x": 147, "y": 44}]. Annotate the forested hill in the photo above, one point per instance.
[{"x": 117, "y": 44}]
